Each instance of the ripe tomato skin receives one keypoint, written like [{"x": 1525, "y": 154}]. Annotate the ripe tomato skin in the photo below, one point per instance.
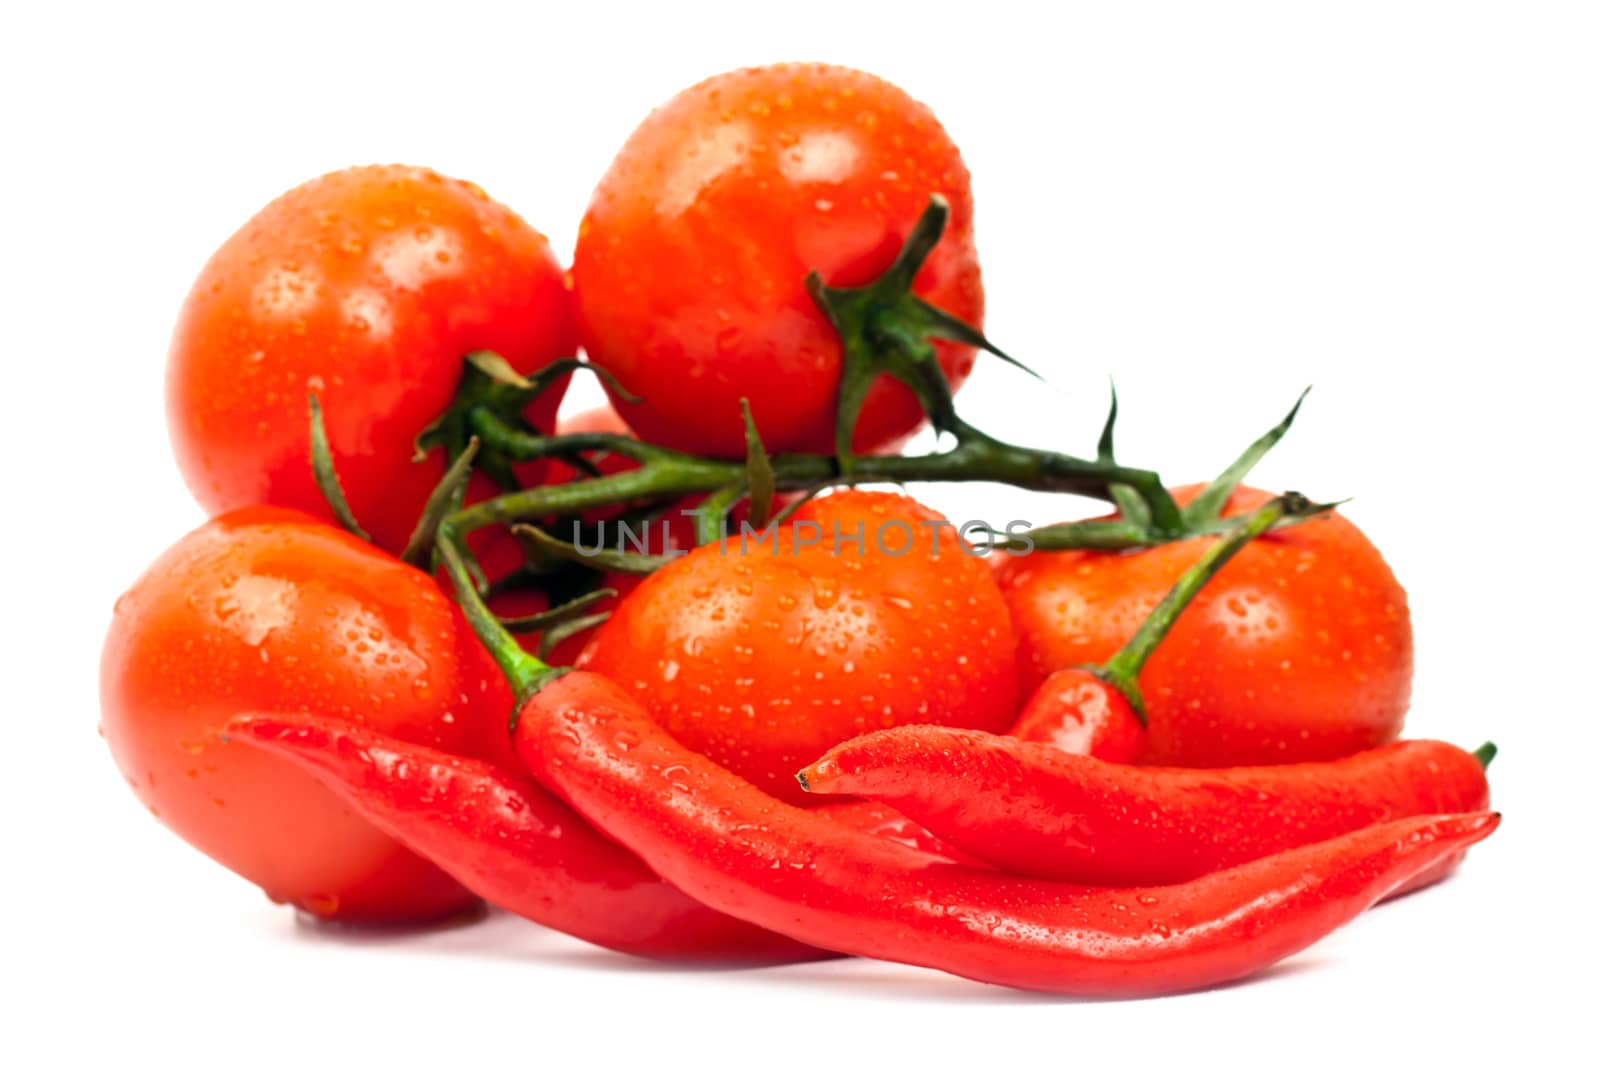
[
  {"x": 691, "y": 262},
  {"x": 1298, "y": 650},
  {"x": 764, "y": 661},
  {"x": 270, "y": 609},
  {"x": 367, "y": 286}
]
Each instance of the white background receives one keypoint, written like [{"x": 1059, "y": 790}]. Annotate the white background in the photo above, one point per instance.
[{"x": 1216, "y": 203}]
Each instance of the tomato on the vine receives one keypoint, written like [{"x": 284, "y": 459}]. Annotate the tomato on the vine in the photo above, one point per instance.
[
  {"x": 267, "y": 609},
  {"x": 860, "y": 613},
  {"x": 1298, "y": 650},
  {"x": 366, "y": 286},
  {"x": 691, "y": 263}
]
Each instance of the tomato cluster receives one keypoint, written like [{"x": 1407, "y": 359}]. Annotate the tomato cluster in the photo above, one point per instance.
[{"x": 689, "y": 292}]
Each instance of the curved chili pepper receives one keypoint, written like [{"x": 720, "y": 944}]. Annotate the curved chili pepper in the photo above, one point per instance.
[
  {"x": 512, "y": 843},
  {"x": 883, "y": 822},
  {"x": 1031, "y": 809},
  {"x": 740, "y": 851},
  {"x": 1097, "y": 709}
]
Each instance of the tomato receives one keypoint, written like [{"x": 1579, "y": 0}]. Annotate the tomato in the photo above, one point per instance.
[
  {"x": 763, "y": 655},
  {"x": 267, "y": 609},
  {"x": 366, "y": 286},
  {"x": 1299, "y": 649},
  {"x": 691, "y": 262}
]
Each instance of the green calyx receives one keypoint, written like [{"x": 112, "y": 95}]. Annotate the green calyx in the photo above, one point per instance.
[
  {"x": 491, "y": 385},
  {"x": 886, "y": 329},
  {"x": 324, "y": 474}
]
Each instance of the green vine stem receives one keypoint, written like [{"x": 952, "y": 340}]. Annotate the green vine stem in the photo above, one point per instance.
[
  {"x": 884, "y": 329},
  {"x": 526, "y": 673},
  {"x": 664, "y": 472},
  {"x": 1122, "y": 670}
]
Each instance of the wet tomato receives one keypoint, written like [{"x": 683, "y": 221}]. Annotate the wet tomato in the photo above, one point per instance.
[
  {"x": 266, "y": 609},
  {"x": 691, "y": 262},
  {"x": 366, "y": 286},
  {"x": 859, "y": 614},
  {"x": 1298, "y": 650}
]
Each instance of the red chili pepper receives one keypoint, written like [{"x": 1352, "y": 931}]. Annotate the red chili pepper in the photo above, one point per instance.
[
  {"x": 1098, "y": 710},
  {"x": 798, "y": 873},
  {"x": 1030, "y": 809},
  {"x": 740, "y": 851},
  {"x": 512, "y": 843},
  {"x": 1076, "y": 710}
]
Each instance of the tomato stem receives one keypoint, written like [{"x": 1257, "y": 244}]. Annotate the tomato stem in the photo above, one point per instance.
[
  {"x": 711, "y": 517},
  {"x": 445, "y": 498},
  {"x": 886, "y": 329},
  {"x": 526, "y": 673},
  {"x": 665, "y": 472},
  {"x": 1122, "y": 670}
]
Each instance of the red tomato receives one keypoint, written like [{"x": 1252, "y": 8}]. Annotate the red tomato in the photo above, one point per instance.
[
  {"x": 1299, "y": 649},
  {"x": 765, "y": 657},
  {"x": 366, "y": 286},
  {"x": 266, "y": 609},
  {"x": 691, "y": 262}
]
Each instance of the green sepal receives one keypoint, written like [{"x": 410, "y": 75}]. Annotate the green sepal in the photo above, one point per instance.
[
  {"x": 1132, "y": 506},
  {"x": 885, "y": 329},
  {"x": 487, "y": 382},
  {"x": 545, "y": 620},
  {"x": 491, "y": 385},
  {"x": 445, "y": 498},
  {"x": 611, "y": 560},
  {"x": 326, "y": 477},
  {"x": 758, "y": 471},
  {"x": 563, "y": 630},
  {"x": 1206, "y": 506}
]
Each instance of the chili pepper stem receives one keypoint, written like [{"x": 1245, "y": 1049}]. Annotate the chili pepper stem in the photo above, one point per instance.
[
  {"x": 1122, "y": 670},
  {"x": 526, "y": 673},
  {"x": 1485, "y": 753}
]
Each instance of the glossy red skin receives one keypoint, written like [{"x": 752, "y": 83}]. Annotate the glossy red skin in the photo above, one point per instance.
[
  {"x": 1298, "y": 650},
  {"x": 366, "y": 286},
  {"x": 512, "y": 843},
  {"x": 764, "y": 661},
  {"x": 271, "y": 610},
  {"x": 1075, "y": 711},
  {"x": 691, "y": 262},
  {"x": 795, "y": 872},
  {"x": 508, "y": 840},
  {"x": 1035, "y": 810}
]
